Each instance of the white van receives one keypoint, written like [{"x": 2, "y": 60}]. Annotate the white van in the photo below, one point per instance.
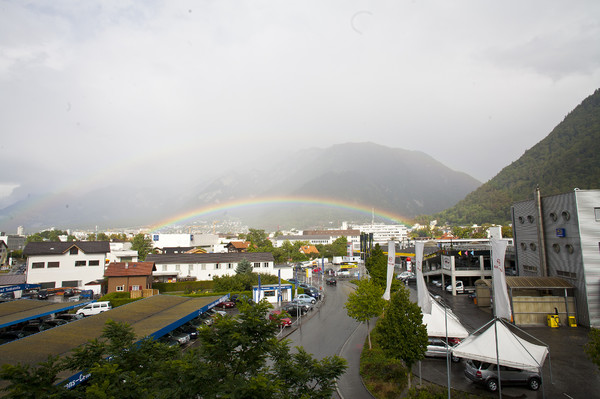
[{"x": 95, "y": 308}]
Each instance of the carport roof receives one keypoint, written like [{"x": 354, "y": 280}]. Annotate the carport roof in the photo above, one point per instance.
[
  {"x": 155, "y": 316},
  {"x": 13, "y": 312},
  {"x": 516, "y": 282}
]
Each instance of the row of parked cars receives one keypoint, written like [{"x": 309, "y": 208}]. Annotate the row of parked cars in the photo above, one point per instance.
[{"x": 36, "y": 326}]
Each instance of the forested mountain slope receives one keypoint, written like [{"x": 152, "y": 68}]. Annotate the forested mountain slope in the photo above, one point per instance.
[{"x": 568, "y": 158}]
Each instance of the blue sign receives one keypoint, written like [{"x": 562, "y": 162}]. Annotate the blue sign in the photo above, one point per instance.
[{"x": 560, "y": 232}]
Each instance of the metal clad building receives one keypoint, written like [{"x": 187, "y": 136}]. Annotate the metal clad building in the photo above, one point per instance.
[{"x": 562, "y": 239}]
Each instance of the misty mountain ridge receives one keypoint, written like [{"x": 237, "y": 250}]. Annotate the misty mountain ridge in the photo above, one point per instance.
[{"x": 368, "y": 175}]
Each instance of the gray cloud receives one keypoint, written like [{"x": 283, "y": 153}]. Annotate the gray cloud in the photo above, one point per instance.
[{"x": 98, "y": 92}]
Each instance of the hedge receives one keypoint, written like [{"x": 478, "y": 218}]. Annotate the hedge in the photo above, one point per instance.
[{"x": 184, "y": 286}]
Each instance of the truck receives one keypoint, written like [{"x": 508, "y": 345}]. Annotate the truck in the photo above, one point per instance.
[{"x": 460, "y": 288}]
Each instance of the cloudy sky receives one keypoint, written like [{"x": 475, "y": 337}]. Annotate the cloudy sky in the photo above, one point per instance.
[{"x": 93, "y": 92}]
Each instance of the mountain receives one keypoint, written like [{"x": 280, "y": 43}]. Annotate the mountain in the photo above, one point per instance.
[
  {"x": 366, "y": 175},
  {"x": 307, "y": 188},
  {"x": 566, "y": 159}
]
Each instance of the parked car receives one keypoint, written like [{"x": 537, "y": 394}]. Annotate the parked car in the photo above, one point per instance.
[
  {"x": 293, "y": 281},
  {"x": 54, "y": 323},
  {"x": 43, "y": 294},
  {"x": 295, "y": 309},
  {"x": 205, "y": 318},
  {"x": 7, "y": 296},
  {"x": 68, "y": 292},
  {"x": 306, "y": 298},
  {"x": 9, "y": 336},
  {"x": 168, "y": 340},
  {"x": 180, "y": 337},
  {"x": 281, "y": 318},
  {"x": 188, "y": 329},
  {"x": 214, "y": 312},
  {"x": 437, "y": 347},
  {"x": 315, "y": 293},
  {"x": 437, "y": 283},
  {"x": 226, "y": 305},
  {"x": 405, "y": 274},
  {"x": 331, "y": 281},
  {"x": 34, "y": 328},
  {"x": 487, "y": 374},
  {"x": 95, "y": 308},
  {"x": 69, "y": 316}
]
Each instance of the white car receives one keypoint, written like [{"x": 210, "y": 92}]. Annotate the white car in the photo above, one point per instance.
[
  {"x": 405, "y": 275},
  {"x": 306, "y": 298}
]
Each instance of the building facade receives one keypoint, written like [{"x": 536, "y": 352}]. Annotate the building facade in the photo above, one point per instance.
[
  {"x": 559, "y": 236},
  {"x": 171, "y": 268},
  {"x": 129, "y": 276},
  {"x": 65, "y": 264}
]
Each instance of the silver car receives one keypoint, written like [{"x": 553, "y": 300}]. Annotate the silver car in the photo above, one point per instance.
[
  {"x": 437, "y": 347},
  {"x": 487, "y": 374}
]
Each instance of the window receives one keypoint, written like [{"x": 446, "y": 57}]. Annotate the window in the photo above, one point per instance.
[
  {"x": 203, "y": 266},
  {"x": 73, "y": 251},
  {"x": 269, "y": 293},
  {"x": 532, "y": 269},
  {"x": 80, "y": 263},
  {"x": 564, "y": 273},
  {"x": 94, "y": 263},
  {"x": 266, "y": 264},
  {"x": 532, "y": 246},
  {"x": 553, "y": 216},
  {"x": 53, "y": 264},
  {"x": 521, "y": 220},
  {"x": 597, "y": 214},
  {"x": 556, "y": 247},
  {"x": 530, "y": 218},
  {"x": 230, "y": 265},
  {"x": 570, "y": 248},
  {"x": 164, "y": 268},
  {"x": 257, "y": 264},
  {"x": 71, "y": 283},
  {"x": 566, "y": 215},
  {"x": 524, "y": 246},
  {"x": 217, "y": 266},
  {"x": 136, "y": 287},
  {"x": 190, "y": 269},
  {"x": 177, "y": 268},
  {"x": 120, "y": 288},
  {"x": 37, "y": 265}
]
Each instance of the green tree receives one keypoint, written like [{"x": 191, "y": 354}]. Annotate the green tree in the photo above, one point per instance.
[
  {"x": 260, "y": 241},
  {"x": 376, "y": 265},
  {"x": 91, "y": 237},
  {"x": 102, "y": 237},
  {"x": 244, "y": 267},
  {"x": 142, "y": 244},
  {"x": 400, "y": 332},
  {"x": 365, "y": 303},
  {"x": 592, "y": 347}
]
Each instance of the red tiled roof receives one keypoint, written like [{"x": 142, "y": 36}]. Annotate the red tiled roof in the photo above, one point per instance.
[
  {"x": 240, "y": 244},
  {"x": 119, "y": 269}
]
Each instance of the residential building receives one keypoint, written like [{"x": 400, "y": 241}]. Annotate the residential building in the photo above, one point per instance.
[
  {"x": 171, "y": 268},
  {"x": 129, "y": 276},
  {"x": 120, "y": 251},
  {"x": 383, "y": 233},
  {"x": 559, "y": 236},
  {"x": 238, "y": 246},
  {"x": 209, "y": 242},
  {"x": 14, "y": 242},
  {"x": 65, "y": 264}
]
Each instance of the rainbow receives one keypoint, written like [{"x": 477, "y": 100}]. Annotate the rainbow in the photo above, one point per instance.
[{"x": 260, "y": 201}]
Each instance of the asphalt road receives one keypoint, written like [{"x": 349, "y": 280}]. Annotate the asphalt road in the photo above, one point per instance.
[{"x": 329, "y": 331}]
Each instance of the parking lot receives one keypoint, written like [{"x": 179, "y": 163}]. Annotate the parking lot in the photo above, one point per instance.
[{"x": 567, "y": 373}]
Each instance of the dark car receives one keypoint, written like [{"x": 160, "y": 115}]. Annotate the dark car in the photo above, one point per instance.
[
  {"x": 53, "y": 323},
  {"x": 34, "y": 328},
  {"x": 68, "y": 292},
  {"x": 487, "y": 374},
  {"x": 331, "y": 281},
  {"x": 69, "y": 316},
  {"x": 313, "y": 292},
  {"x": 43, "y": 294},
  {"x": 9, "y": 336},
  {"x": 295, "y": 310},
  {"x": 192, "y": 331}
]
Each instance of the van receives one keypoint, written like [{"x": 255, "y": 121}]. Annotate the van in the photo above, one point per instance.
[{"x": 95, "y": 308}]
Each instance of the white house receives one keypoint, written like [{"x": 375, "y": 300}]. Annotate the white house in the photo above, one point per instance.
[
  {"x": 121, "y": 251},
  {"x": 173, "y": 267},
  {"x": 65, "y": 264},
  {"x": 209, "y": 242}
]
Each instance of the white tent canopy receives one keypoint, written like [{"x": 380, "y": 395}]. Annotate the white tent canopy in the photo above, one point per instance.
[
  {"x": 436, "y": 323},
  {"x": 512, "y": 350}
]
